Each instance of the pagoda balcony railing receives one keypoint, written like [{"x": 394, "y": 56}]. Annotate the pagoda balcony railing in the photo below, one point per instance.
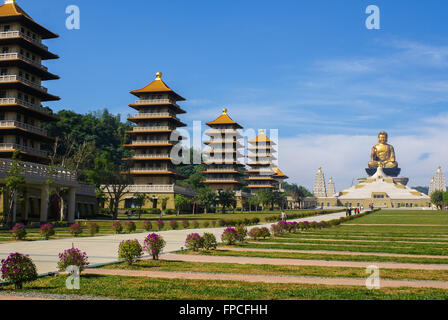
[
  {"x": 8, "y": 101},
  {"x": 86, "y": 190},
  {"x": 40, "y": 173},
  {"x": 155, "y": 128},
  {"x": 13, "y": 77},
  {"x": 138, "y": 142},
  {"x": 222, "y": 150},
  {"x": 224, "y": 132},
  {"x": 162, "y": 188},
  {"x": 18, "y": 34},
  {"x": 221, "y": 169},
  {"x": 150, "y": 156},
  {"x": 16, "y": 55},
  {"x": 14, "y": 146},
  {"x": 155, "y": 101},
  {"x": 219, "y": 180},
  {"x": 18, "y": 124},
  {"x": 163, "y": 169},
  {"x": 261, "y": 176},
  {"x": 224, "y": 141},
  {"x": 155, "y": 115},
  {"x": 255, "y": 185}
]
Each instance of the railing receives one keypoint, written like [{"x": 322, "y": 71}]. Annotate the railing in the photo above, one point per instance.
[
  {"x": 151, "y": 142},
  {"x": 163, "y": 128},
  {"x": 163, "y": 188},
  {"x": 155, "y": 101},
  {"x": 138, "y": 170},
  {"x": 7, "y": 101},
  {"x": 16, "y": 55},
  {"x": 261, "y": 177},
  {"x": 17, "y": 34},
  {"x": 225, "y": 132},
  {"x": 222, "y": 151},
  {"x": 155, "y": 115},
  {"x": 224, "y": 141},
  {"x": 13, "y": 123},
  {"x": 210, "y": 170},
  {"x": 39, "y": 172},
  {"x": 86, "y": 190},
  {"x": 150, "y": 156},
  {"x": 13, "y": 77},
  {"x": 14, "y": 146}
]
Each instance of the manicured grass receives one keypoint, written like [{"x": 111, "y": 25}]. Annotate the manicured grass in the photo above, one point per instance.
[
  {"x": 178, "y": 289},
  {"x": 326, "y": 257},
  {"x": 151, "y": 265}
]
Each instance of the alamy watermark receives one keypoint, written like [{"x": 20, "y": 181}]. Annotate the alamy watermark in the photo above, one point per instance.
[
  {"x": 373, "y": 21},
  {"x": 73, "y": 21},
  {"x": 373, "y": 281},
  {"x": 73, "y": 281}
]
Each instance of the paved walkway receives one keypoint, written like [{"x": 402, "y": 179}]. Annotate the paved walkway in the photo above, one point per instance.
[
  {"x": 299, "y": 262},
  {"x": 102, "y": 250},
  {"x": 268, "y": 278}
]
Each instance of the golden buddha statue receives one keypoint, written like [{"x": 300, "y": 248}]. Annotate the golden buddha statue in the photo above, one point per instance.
[{"x": 383, "y": 154}]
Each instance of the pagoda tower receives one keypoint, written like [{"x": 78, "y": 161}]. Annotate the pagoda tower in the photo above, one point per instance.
[
  {"x": 21, "y": 92},
  {"x": 320, "y": 190},
  {"x": 261, "y": 173},
  {"x": 432, "y": 186},
  {"x": 222, "y": 163},
  {"x": 331, "y": 188},
  {"x": 152, "y": 138},
  {"x": 438, "y": 183}
]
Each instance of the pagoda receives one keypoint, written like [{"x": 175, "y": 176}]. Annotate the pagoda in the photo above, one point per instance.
[
  {"x": 222, "y": 161},
  {"x": 21, "y": 92},
  {"x": 155, "y": 133},
  {"x": 320, "y": 188},
  {"x": 261, "y": 172},
  {"x": 280, "y": 177}
]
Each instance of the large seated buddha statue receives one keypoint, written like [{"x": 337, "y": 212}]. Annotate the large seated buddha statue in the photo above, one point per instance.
[{"x": 383, "y": 154}]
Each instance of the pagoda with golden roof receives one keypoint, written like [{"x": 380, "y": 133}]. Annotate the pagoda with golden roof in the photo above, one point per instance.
[
  {"x": 21, "y": 92},
  {"x": 153, "y": 136},
  {"x": 222, "y": 158}
]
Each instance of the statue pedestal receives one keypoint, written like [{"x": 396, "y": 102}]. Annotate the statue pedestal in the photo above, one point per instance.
[{"x": 391, "y": 172}]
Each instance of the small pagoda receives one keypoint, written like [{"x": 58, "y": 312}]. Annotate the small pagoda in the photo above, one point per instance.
[
  {"x": 222, "y": 159},
  {"x": 152, "y": 137}
]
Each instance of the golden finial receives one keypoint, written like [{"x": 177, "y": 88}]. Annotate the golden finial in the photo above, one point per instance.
[
  {"x": 224, "y": 111},
  {"x": 439, "y": 168},
  {"x": 262, "y": 131},
  {"x": 320, "y": 169},
  {"x": 380, "y": 165},
  {"x": 10, "y": 1},
  {"x": 159, "y": 76}
]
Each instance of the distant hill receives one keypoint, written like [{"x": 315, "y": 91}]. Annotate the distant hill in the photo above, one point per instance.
[{"x": 424, "y": 190}]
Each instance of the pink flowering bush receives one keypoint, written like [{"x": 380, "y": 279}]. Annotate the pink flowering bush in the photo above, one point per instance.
[
  {"x": 130, "y": 226},
  {"x": 130, "y": 251},
  {"x": 229, "y": 236},
  {"x": 292, "y": 227},
  {"x": 117, "y": 227},
  {"x": 160, "y": 224},
  {"x": 72, "y": 257},
  {"x": 93, "y": 228},
  {"x": 264, "y": 232},
  {"x": 254, "y": 233},
  {"x": 147, "y": 225},
  {"x": 154, "y": 244},
  {"x": 18, "y": 232},
  {"x": 209, "y": 241},
  {"x": 194, "y": 241},
  {"x": 75, "y": 229},
  {"x": 241, "y": 233},
  {"x": 18, "y": 269},
  {"x": 283, "y": 225},
  {"x": 47, "y": 231},
  {"x": 174, "y": 224}
]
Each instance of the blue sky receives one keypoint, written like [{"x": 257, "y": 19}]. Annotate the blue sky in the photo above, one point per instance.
[{"x": 308, "y": 68}]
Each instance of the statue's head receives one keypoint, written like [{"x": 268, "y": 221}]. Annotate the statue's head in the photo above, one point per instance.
[{"x": 382, "y": 137}]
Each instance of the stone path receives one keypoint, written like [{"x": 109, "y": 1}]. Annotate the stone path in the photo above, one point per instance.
[
  {"x": 268, "y": 278},
  {"x": 355, "y": 240},
  {"x": 103, "y": 249},
  {"x": 344, "y": 253},
  {"x": 299, "y": 262}
]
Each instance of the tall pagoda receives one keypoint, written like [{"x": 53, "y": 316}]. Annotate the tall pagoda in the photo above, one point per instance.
[
  {"x": 320, "y": 188},
  {"x": 261, "y": 173},
  {"x": 21, "y": 90},
  {"x": 222, "y": 162},
  {"x": 154, "y": 136}
]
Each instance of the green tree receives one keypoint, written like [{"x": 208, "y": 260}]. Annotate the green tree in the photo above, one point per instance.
[
  {"x": 164, "y": 205},
  {"x": 445, "y": 199},
  {"x": 139, "y": 201},
  {"x": 254, "y": 200},
  {"x": 181, "y": 203},
  {"x": 14, "y": 188},
  {"x": 206, "y": 198},
  {"x": 266, "y": 197},
  {"x": 226, "y": 199},
  {"x": 437, "y": 199}
]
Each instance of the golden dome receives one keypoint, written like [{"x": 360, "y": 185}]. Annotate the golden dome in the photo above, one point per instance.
[{"x": 159, "y": 76}]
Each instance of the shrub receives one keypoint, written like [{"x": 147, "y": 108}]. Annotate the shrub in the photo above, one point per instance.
[
  {"x": 75, "y": 229},
  {"x": 241, "y": 233},
  {"x": 130, "y": 226},
  {"x": 93, "y": 228},
  {"x": 18, "y": 269},
  {"x": 276, "y": 229},
  {"x": 221, "y": 223},
  {"x": 170, "y": 211},
  {"x": 206, "y": 224},
  {"x": 194, "y": 241},
  {"x": 254, "y": 233},
  {"x": 160, "y": 224},
  {"x": 147, "y": 225},
  {"x": 213, "y": 223},
  {"x": 186, "y": 224},
  {"x": 174, "y": 224},
  {"x": 229, "y": 236},
  {"x": 47, "y": 231},
  {"x": 293, "y": 226},
  {"x": 209, "y": 241},
  {"x": 265, "y": 233},
  {"x": 195, "y": 224},
  {"x": 130, "y": 251},
  {"x": 18, "y": 232},
  {"x": 154, "y": 244},
  {"x": 117, "y": 227},
  {"x": 72, "y": 257},
  {"x": 155, "y": 211},
  {"x": 255, "y": 220},
  {"x": 283, "y": 225}
]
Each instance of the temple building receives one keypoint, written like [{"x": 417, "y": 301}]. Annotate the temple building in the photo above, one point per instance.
[
  {"x": 280, "y": 177},
  {"x": 223, "y": 166},
  {"x": 331, "y": 188},
  {"x": 22, "y": 117},
  {"x": 438, "y": 182},
  {"x": 153, "y": 138},
  {"x": 320, "y": 188}
]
